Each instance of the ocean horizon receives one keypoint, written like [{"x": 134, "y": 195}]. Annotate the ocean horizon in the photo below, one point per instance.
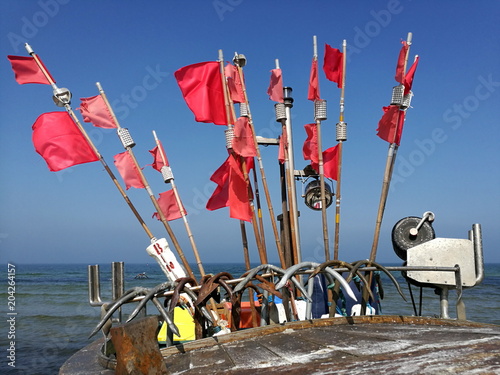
[{"x": 49, "y": 317}]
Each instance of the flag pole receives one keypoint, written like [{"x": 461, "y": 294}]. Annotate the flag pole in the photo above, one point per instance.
[
  {"x": 341, "y": 137},
  {"x": 290, "y": 212},
  {"x": 391, "y": 157},
  {"x": 288, "y": 101},
  {"x": 63, "y": 96},
  {"x": 319, "y": 107},
  {"x": 286, "y": 229},
  {"x": 261, "y": 166},
  {"x": 128, "y": 143},
  {"x": 230, "y": 114},
  {"x": 180, "y": 205}
]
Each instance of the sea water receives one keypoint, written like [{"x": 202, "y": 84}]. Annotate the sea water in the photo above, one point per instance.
[{"x": 47, "y": 316}]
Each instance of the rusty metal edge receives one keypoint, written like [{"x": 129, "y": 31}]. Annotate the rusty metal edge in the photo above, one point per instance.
[
  {"x": 94, "y": 350},
  {"x": 304, "y": 324}
]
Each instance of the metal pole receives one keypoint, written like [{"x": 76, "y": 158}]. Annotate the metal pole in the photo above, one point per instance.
[
  {"x": 118, "y": 284},
  {"x": 287, "y": 91}
]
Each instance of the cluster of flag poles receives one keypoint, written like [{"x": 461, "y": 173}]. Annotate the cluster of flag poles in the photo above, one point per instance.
[
  {"x": 62, "y": 141},
  {"x": 211, "y": 90},
  {"x": 326, "y": 163},
  {"x": 319, "y": 115},
  {"x": 390, "y": 128}
]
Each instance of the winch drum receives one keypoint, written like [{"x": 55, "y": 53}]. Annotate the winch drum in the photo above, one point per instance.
[{"x": 402, "y": 239}]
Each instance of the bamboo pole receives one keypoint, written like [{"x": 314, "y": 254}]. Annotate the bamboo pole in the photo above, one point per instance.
[
  {"x": 150, "y": 193},
  {"x": 70, "y": 111},
  {"x": 339, "y": 153},
  {"x": 181, "y": 208},
  {"x": 230, "y": 114},
  {"x": 321, "y": 169},
  {"x": 163, "y": 156},
  {"x": 261, "y": 169},
  {"x": 391, "y": 157},
  {"x": 258, "y": 206},
  {"x": 285, "y": 221}
]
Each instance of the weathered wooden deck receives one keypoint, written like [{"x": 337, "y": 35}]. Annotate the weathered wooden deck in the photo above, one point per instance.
[{"x": 356, "y": 345}]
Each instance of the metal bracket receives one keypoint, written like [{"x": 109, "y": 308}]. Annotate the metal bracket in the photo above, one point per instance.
[{"x": 117, "y": 284}]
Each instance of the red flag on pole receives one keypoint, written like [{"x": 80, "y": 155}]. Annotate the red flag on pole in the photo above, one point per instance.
[
  {"x": 331, "y": 163},
  {"x": 400, "y": 67},
  {"x": 26, "y": 70},
  {"x": 234, "y": 84},
  {"x": 128, "y": 170},
  {"x": 59, "y": 141},
  {"x": 220, "y": 196},
  {"x": 169, "y": 207},
  {"x": 275, "y": 89},
  {"x": 333, "y": 65},
  {"x": 158, "y": 159},
  {"x": 313, "y": 91},
  {"x": 310, "y": 147},
  {"x": 95, "y": 110},
  {"x": 239, "y": 203},
  {"x": 243, "y": 141},
  {"x": 201, "y": 87},
  {"x": 390, "y": 126},
  {"x": 283, "y": 147},
  {"x": 231, "y": 191},
  {"x": 409, "y": 76}
]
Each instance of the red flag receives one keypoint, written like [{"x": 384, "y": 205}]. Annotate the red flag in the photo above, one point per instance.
[
  {"x": 231, "y": 191},
  {"x": 201, "y": 87},
  {"x": 283, "y": 147},
  {"x": 313, "y": 91},
  {"x": 409, "y": 76},
  {"x": 275, "y": 89},
  {"x": 169, "y": 207},
  {"x": 333, "y": 65},
  {"x": 239, "y": 203},
  {"x": 128, "y": 170},
  {"x": 95, "y": 110},
  {"x": 234, "y": 84},
  {"x": 390, "y": 126},
  {"x": 331, "y": 163},
  {"x": 400, "y": 73},
  {"x": 59, "y": 141},
  {"x": 26, "y": 70},
  {"x": 243, "y": 141},
  {"x": 158, "y": 159},
  {"x": 220, "y": 196},
  {"x": 310, "y": 148}
]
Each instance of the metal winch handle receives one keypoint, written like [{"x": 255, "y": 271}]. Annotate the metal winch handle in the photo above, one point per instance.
[{"x": 427, "y": 216}]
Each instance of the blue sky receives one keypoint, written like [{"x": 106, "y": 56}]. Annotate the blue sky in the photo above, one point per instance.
[{"x": 448, "y": 161}]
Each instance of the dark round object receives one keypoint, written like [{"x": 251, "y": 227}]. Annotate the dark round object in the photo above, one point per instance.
[{"x": 402, "y": 240}]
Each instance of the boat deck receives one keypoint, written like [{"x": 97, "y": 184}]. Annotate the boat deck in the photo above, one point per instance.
[{"x": 355, "y": 345}]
